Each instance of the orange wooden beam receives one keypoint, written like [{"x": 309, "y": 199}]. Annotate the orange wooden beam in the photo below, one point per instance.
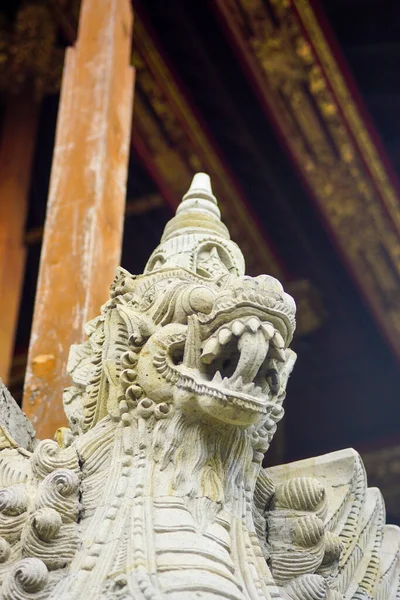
[
  {"x": 16, "y": 153},
  {"x": 83, "y": 230}
]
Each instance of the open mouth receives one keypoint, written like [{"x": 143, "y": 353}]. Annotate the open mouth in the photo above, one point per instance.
[
  {"x": 243, "y": 356},
  {"x": 239, "y": 363}
]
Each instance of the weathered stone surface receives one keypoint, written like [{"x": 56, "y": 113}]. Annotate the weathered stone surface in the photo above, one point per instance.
[
  {"x": 158, "y": 491},
  {"x": 324, "y": 520},
  {"x": 16, "y": 429}
]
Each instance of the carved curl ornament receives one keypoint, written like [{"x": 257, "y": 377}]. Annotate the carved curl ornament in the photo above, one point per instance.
[{"x": 157, "y": 489}]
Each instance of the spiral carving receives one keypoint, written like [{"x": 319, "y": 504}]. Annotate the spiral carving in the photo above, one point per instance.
[
  {"x": 48, "y": 457},
  {"x": 5, "y": 550},
  {"x": 47, "y": 523},
  {"x": 60, "y": 491},
  {"x": 163, "y": 410},
  {"x": 145, "y": 408},
  {"x": 55, "y": 547},
  {"x": 66, "y": 482},
  {"x": 27, "y": 579},
  {"x": 13, "y": 501}
]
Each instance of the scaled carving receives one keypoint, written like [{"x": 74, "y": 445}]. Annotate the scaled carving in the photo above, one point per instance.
[{"x": 156, "y": 489}]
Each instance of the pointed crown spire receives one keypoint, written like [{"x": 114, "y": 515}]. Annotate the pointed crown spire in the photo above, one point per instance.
[
  {"x": 196, "y": 235},
  {"x": 197, "y": 211}
]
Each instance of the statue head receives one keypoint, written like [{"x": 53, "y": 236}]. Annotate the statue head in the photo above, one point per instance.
[{"x": 193, "y": 333}]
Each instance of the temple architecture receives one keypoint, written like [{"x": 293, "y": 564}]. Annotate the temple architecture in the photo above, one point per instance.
[{"x": 149, "y": 404}]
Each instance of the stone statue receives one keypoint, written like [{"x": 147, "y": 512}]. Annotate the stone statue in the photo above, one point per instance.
[{"x": 156, "y": 489}]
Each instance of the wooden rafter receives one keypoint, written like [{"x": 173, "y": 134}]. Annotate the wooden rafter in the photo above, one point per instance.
[
  {"x": 308, "y": 97},
  {"x": 174, "y": 143}
]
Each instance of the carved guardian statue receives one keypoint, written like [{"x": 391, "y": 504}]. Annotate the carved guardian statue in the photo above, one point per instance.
[{"x": 156, "y": 489}]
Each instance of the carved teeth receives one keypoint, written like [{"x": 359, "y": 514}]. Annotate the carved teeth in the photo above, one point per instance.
[
  {"x": 210, "y": 350},
  {"x": 224, "y": 336},
  {"x": 185, "y": 382},
  {"x": 278, "y": 341},
  {"x": 253, "y": 324},
  {"x": 217, "y": 377},
  {"x": 253, "y": 349},
  {"x": 236, "y": 384},
  {"x": 238, "y": 328},
  {"x": 268, "y": 330},
  {"x": 259, "y": 344},
  {"x": 277, "y": 353},
  {"x": 248, "y": 388}
]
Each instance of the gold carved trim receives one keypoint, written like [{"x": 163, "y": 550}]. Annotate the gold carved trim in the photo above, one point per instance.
[
  {"x": 289, "y": 61},
  {"x": 366, "y": 146}
]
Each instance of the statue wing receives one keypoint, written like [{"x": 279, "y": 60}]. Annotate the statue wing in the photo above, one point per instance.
[{"x": 367, "y": 564}]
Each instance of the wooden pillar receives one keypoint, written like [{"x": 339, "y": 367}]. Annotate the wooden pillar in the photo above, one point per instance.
[
  {"x": 84, "y": 222},
  {"x": 16, "y": 154}
]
